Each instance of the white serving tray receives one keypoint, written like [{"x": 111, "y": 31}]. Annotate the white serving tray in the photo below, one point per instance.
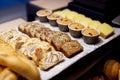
[{"x": 46, "y": 75}]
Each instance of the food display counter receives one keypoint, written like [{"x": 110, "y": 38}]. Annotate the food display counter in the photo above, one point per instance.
[
  {"x": 76, "y": 66},
  {"x": 80, "y": 64},
  {"x": 88, "y": 50}
]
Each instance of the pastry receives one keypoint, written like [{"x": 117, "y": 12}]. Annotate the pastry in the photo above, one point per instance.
[
  {"x": 32, "y": 45},
  {"x": 64, "y": 21},
  {"x": 85, "y": 21},
  {"x": 75, "y": 29},
  {"x": 111, "y": 69},
  {"x": 18, "y": 40},
  {"x": 94, "y": 24},
  {"x": 42, "y": 14},
  {"x": 22, "y": 26},
  {"x": 105, "y": 30},
  {"x": 63, "y": 24},
  {"x": 71, "y": 48},
  {"x": 119, "y": 75},
  {"x": 51, "y": 35},
  {"x": 59, "y": 40},
  {"x": 78, "y": 17},
  {"x": 6, "y": 74},
  {"x": 53, "y": 18},
  {"x": 50, "y": 59},
  {"x": 90, "y": 35},
  {"x": 90, "y": 32},
  {"x": 6, "y": 36},
  {"x": 42, "y": 33}
]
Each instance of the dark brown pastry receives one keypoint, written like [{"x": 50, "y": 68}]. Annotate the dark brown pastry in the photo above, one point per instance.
[{"x": 71, "y": 48}]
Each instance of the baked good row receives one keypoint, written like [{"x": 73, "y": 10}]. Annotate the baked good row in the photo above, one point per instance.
[
  {"x": 55, "y": 38},
  {"x": 64, "y": 18},
  {"x": 41, "y": 52},
  {"x": 14, "y": 66},
  {"x": 106, "y": 30}
]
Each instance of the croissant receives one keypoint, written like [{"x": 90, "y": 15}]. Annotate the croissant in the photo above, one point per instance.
[{"x": 18, "y": 63}]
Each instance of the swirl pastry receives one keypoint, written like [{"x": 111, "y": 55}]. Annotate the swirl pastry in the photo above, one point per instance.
[{"x": 50, "y": 59}]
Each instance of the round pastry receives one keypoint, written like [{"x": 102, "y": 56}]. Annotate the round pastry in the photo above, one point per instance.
[
  {"x": 52, "y": 19},
  {"x": 42, "y": 14},
  {"x": 75, "y": 29},
  {"x": 90, "y": 36},
  {"x": 63, "y": 24}
]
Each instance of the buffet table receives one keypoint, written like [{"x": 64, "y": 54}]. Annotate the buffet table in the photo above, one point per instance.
[{"x": 74, "y": 67}]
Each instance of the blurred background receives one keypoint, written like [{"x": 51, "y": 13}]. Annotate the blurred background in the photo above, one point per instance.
[
  {"x": 12, "y": 9},
  {"x": 7, "y": 3}
]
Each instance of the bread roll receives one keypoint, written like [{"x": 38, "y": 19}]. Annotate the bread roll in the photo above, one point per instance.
[
  {"x": 20, "y": 64},
  {"x": 111, "y": 69},
  {"x": 6, "y": 74}
]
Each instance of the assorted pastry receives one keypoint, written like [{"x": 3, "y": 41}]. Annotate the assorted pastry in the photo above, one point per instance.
[
  {"x": 36, "y": 44},
  {"x": 69, "y": 16},
  {"x": 47, "y": 49},
  {"x": 41, "y": 52},
  {"x": 55, "y": 38},
  {"x": 105, "y": 29}
]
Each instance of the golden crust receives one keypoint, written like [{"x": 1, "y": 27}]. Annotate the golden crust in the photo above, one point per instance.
[{"x": 18, "y": 63}]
